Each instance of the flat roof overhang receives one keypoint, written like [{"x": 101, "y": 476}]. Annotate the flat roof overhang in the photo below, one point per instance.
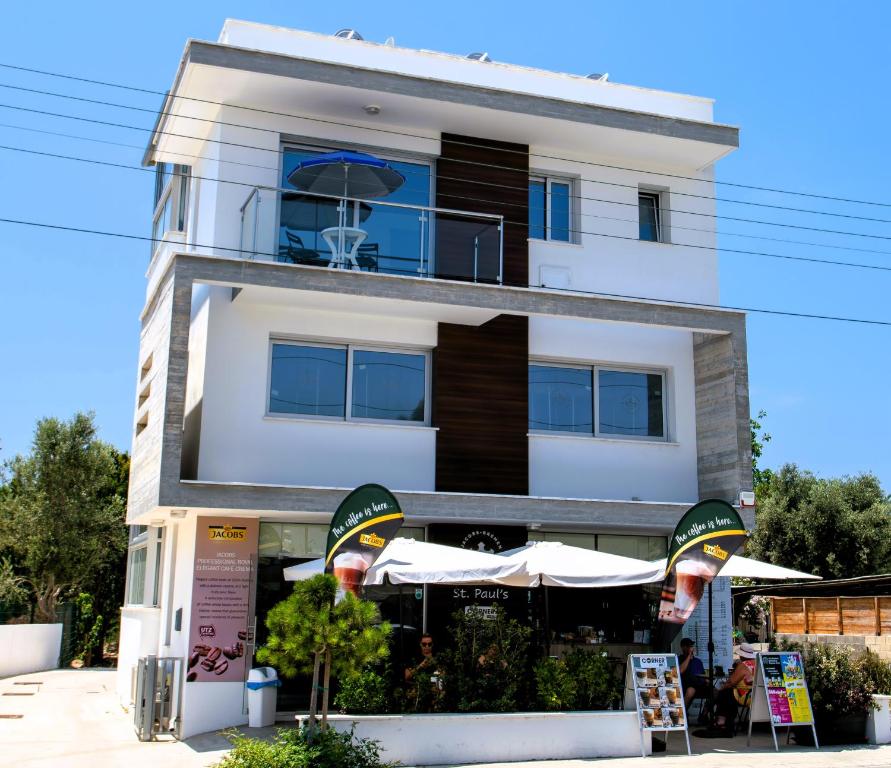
[
  {"x": 433, "y": 299},
  {"x": 412, "y": 108}
]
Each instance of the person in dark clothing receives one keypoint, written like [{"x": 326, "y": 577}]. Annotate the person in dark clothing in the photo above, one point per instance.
[{"x": 692, "y": 669}]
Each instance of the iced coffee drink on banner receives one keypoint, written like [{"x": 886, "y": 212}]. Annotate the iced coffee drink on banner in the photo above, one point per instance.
[
  {"x": 349, "y": 570},
  {"x": 692, "y": 577}
]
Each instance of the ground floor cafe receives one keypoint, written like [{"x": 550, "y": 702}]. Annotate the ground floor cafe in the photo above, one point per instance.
[{"x": 230, "y": 571}]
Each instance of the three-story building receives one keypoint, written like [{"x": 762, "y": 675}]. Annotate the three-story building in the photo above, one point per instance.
[{"x": 521, "y": 340}]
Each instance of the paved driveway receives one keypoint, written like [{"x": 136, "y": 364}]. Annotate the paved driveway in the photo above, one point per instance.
[{"x": 72, "y": 719}]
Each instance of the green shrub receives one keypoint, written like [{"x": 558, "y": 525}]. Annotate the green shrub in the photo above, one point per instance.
[
  {"x": 581, "y": 680},
  {"x": 290, "y": 748},
  {"x": 596, "y": 686},
  {"x": 837, "y": 679},
  {"x": 363, "y": 693},
  {"x": 488, "y": 667},
  {"x": 877, "y": 671},
  {"x": 554, "y": 686}
]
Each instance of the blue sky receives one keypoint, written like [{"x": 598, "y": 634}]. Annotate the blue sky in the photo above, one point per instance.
[{"x": 808, "y": 89}]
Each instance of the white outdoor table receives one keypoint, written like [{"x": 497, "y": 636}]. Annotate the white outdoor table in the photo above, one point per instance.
[{"x": 344, "y": 243}]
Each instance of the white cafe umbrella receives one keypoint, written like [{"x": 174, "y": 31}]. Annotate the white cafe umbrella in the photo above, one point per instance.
[
  {"x": 407, "y": 561},
  {"x": 746, "y": 567},
  {"x": 555, "y": 564}
]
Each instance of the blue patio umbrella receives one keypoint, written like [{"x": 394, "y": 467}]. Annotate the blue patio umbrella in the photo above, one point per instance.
[{"x": 347, "y": 174}]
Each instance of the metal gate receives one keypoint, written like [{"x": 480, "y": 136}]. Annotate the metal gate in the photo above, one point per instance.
[{"x": 158, "y": 697}]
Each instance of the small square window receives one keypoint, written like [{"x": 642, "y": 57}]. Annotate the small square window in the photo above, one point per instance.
[
  {"x": 630, "y": 403},
  {"x": 650, "y": 216}
]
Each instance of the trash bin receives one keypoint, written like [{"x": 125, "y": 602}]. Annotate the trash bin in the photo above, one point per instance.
[
  {"x": 878, "y": 724},
  {"x": 261, "y": 684}
]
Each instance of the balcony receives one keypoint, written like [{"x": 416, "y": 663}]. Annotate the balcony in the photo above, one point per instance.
[{"x": 381, "y": 236}]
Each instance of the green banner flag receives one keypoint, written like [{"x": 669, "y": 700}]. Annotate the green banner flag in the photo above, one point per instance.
[
  {"x": 362, "y": 526},
  {"x": 706, "y": 536}
]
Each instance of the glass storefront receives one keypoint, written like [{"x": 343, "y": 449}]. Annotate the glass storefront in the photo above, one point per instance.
[{"x": 607, "y": 619}]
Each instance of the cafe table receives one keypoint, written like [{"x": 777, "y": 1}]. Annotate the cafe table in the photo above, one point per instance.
[{"x": 344, "y": 243}]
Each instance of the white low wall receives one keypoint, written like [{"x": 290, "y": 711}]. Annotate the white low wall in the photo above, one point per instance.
[
  {"x": 484, "y": 738},
  {"x": 28, "y": 648}
]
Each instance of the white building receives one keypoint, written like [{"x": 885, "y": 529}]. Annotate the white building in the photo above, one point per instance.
[{"x": 526, "y": 349}]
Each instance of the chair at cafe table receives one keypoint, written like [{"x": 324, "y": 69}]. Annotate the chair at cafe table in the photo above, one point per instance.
[{"x": 297, "y": 253}]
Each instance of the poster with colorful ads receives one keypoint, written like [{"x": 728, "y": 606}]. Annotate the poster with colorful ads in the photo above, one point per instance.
[
  {"x": 364, "y": 523},
  {"x": 222, "y": 605},
  {"x": 656, "y": 680},
  {"x": 704, "y": 538},
  {"x": 787, "y": 695}
]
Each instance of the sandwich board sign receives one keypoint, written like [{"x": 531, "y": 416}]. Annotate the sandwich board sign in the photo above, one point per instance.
[
  {"x": 780, "y": 695},
  {"x": 654, "y": 679}
]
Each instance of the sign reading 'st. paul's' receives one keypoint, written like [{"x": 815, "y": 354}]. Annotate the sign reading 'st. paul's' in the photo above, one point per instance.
[
  {"x": 362, "y": 526},
  {"x": 706, "y": 536}
]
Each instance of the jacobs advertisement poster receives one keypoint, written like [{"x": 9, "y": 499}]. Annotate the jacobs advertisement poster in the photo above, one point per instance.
[
  {"x": 787, "y": 694},
  {"x": 222, "y": 590},
  {"x": 364, "y": 523},
  {"x": 706, "y": 536}
]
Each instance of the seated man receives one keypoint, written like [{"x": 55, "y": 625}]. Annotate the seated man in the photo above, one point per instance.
[{"x": 693, "y": 680}]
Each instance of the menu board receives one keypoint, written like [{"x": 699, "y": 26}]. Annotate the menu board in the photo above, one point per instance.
[
  {"x": 787, "y": 694},
  {"x": 697, "y": 626},
  {"x": 225, "y": 564},
  {"x": 656, "y": 680}
]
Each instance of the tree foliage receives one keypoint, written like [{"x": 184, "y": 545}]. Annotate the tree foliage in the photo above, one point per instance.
[
  {"x": 835, "y": 528},
  {"x": 309, "y": 622},
  {"x": 62, "y": 511},
  {"x": 760, "y": 477},
  {"x": 309, "y": 627}
]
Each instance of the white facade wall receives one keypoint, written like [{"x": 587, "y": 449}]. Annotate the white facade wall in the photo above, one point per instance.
[
  {"x": 607, "y": 258},
  {"x": 580, "y": 466},
  {"x": 241, "y": 443}
]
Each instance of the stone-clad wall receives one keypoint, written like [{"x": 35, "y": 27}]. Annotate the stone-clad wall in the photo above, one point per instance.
[{"x": 880, "y": 644}]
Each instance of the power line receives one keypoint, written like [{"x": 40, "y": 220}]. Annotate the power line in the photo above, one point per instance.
[
  {"x": 601, "y": 217},
  {"x": 576, "y": 197},
  {"x": 167, "y": 94},
  {"x": 700, "y": 305},
  {"x": 806, "y": 259},
  {"x": 101, "y": 102}
]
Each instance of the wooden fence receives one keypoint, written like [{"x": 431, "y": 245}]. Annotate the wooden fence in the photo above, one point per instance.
[{"x": 831, "y": 615}]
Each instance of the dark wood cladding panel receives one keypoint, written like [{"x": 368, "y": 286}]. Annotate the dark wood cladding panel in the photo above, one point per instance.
[
  {"x": 483, "y": 176},
  {"x": 481, "y": 407}
]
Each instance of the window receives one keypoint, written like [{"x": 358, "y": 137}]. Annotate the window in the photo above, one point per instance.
[
  {"x": 560, "y": 399},
  {"x": 626, "y": 403},
  {"x": 308, "y": 380},
  {"x": 396, "y": 236},
  {"x": 630, "y": 404},
  {"x": 388, "y": 385},
  {"x": 136, "y": 564},
  {"x": 650, "y": 216},
  {"x": 347, "y": 382},
  {"x": 171, "y": 195},
  {"x": 550, "y": 209}
]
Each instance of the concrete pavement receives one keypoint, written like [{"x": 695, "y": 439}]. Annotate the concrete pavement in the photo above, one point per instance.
[{"x": 72, "y": 719}]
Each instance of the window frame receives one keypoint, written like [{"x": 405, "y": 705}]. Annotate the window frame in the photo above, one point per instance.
[
  {"x": 658, "y": 196},
  {"x": 624, "y": 369},
  {"x": 308, "y": 144},
  {"x": 350, "y": 348},
  {"x": 595, "y": 369},
  {"x": 575, "y": 366},
  {"x": 176, "y": 191},
  {"x": 549, "y": 179},
  {"x": 138, "y": 541}
]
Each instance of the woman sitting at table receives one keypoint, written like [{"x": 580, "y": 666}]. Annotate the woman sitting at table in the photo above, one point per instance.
[{"x": 733, "y": 693}]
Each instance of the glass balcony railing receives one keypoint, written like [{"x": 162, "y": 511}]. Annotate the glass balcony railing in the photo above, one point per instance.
[{"x": 371, "y": 235}]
